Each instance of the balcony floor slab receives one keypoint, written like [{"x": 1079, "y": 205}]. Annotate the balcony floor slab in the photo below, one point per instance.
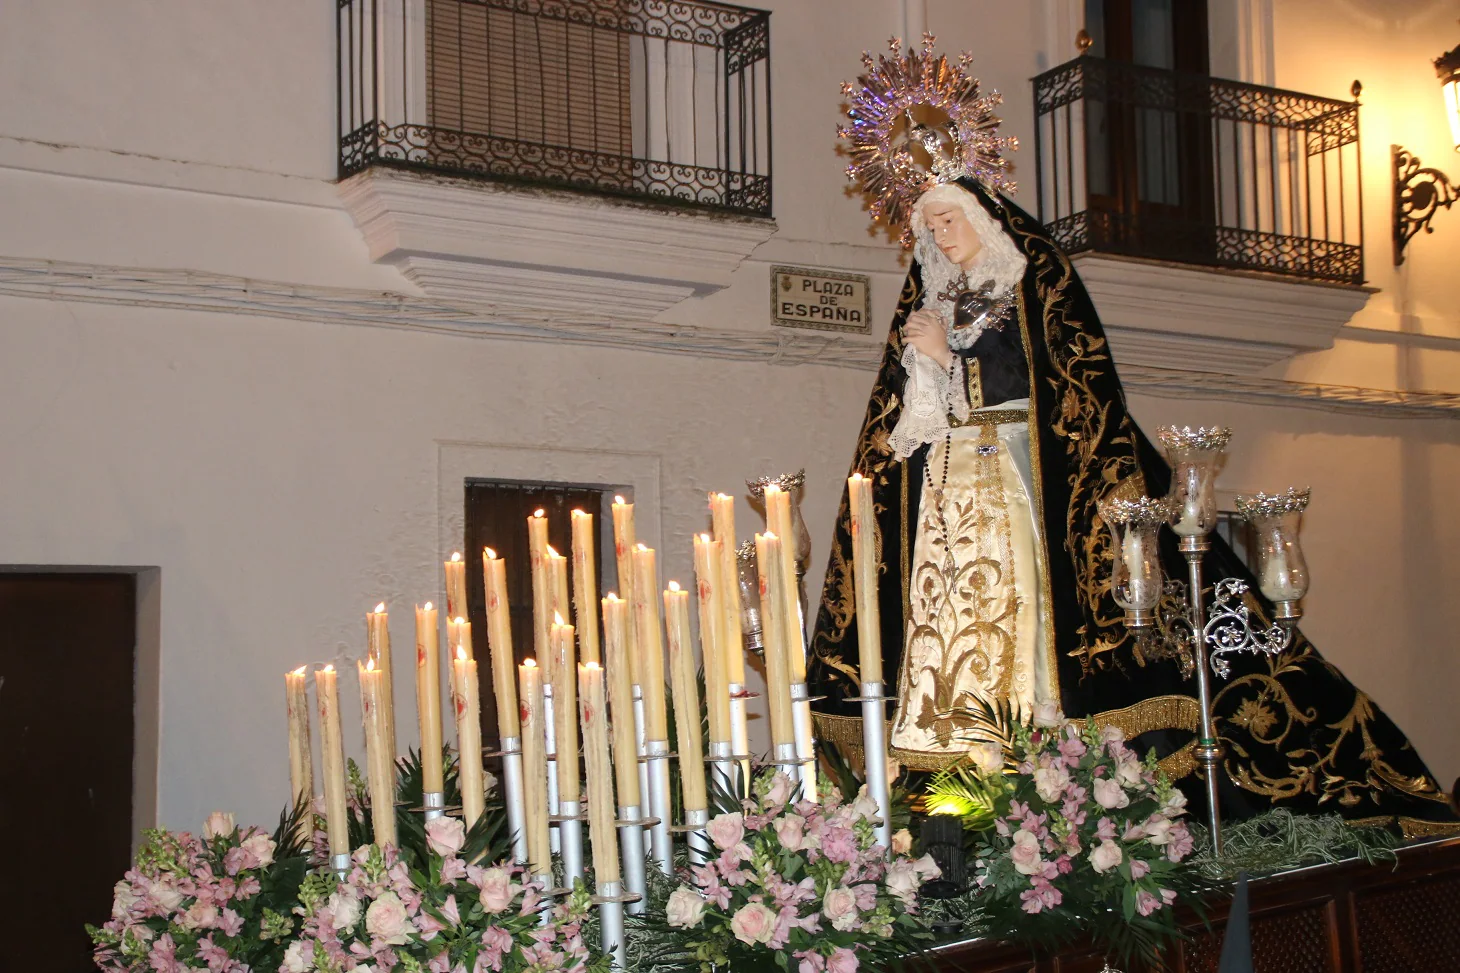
[
  {"x": 546, "y": 251},
  {"x": 1202, "y": 319}
]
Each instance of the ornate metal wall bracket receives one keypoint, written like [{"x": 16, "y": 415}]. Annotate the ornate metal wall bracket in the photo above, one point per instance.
[
  {"x": 1418, "y": 194},
  {"x": 1171, "y": 636},
  {"x": 1229, "y": 629}
]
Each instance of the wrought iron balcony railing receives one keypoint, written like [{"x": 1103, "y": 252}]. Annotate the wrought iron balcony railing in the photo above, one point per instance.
[
  {"x": 666, "y": 99},
  {"x": 1196, "y": 170}
]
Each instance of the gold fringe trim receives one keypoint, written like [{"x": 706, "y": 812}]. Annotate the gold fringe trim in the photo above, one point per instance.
[
  {"x": 1156, "y": 713},
  {"x": 1409, "y": 827},
  {"x": 993, "y": 417}
]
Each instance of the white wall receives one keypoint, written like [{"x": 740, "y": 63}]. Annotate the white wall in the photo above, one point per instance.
[{"x": 286, "y": 475}]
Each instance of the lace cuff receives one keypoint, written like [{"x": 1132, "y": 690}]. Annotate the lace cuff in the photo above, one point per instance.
[{"x": 932, "y": 393}]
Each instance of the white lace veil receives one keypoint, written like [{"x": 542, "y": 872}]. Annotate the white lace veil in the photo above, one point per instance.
[{"x": 999, "y": 260}]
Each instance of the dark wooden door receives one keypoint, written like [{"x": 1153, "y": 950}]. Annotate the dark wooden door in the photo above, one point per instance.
[
  {"x": 496, "y": 517},
  {"x": 67, "y": 657}
]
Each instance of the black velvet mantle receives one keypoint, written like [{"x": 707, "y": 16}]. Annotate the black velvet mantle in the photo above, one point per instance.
[{"x": 1297, "y": 733}]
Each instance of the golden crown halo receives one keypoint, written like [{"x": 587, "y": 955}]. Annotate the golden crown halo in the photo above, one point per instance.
[{"x": 883, "y": 134}]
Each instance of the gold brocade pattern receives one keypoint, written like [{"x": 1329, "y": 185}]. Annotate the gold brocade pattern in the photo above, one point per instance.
[{"x": 972, "y": 630}]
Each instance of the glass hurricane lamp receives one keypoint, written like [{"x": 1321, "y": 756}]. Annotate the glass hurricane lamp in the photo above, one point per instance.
[
  {"x": 1196, "y": 457},
  {"x": 1136, "y": 579},
  {"x": 1282, "y": 573}
]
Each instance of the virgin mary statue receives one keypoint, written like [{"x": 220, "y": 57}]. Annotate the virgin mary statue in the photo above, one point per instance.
[{"x": 996, "y": 426}]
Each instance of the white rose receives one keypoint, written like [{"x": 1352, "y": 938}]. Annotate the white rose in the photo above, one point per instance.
[
  {"x": 1129, "y": 772},
  {"x": 298, "y": 958},
  {"x": 780, "y": 790},
  {"x": 902, "y": 879},
  {"x": 123, "y": 898},
  {"x": 219, "y": 823},
  {"x": 1109, "y": 794},
  {"x": 386, "y": 920},
  {"x": 726, "y": 830},
  {"x": 685, "y": 907},
  {"x": 988, "y": 758},
  {"x": 497, "y": 889},
  {"x": 200, "y": 915},
  {"x": 261, "y": 846},
  {"x": 1175, "y": 804},
  {"x": 901, "y": 842},
  {"x": 445, "y": 835},
  {"x": 1105, "y": 856},
  {"x": 1047, "y": 713},
  {"x": 865, "y": 805},
  {"x": 1112, "y": 734},
  {"x": 167, "y": 897},
  {"x": 345, "y": 910},
  {"x": 840, "y": 906}
]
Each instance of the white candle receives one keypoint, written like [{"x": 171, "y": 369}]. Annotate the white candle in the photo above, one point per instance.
[
  {"x": 585, "y": 586},
  {"x": 379, "y": 759},
  {"x": 864, "y": 578},
  {"x": 301, "y": 755},
  {"x": 332, "y": 752},
  {"x": 428, "y": 697},
  {"x": 455, "y": 586},
  {"x": 467, "y": 705}
]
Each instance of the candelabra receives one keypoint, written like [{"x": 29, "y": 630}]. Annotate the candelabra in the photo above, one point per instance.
[{"x": 1169, "y": 617}]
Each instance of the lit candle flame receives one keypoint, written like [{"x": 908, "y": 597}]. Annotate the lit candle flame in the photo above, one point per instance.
[
  {"x": 460, "y": 654},
  {"x": 579, "y": 513},
  {"x": 619, "y": 501},
  {"x": 552, "y": 552},
  {"x": 612, "y": 597},
  {"x": 589, "y": 665},
  {"x": 539, "y": 512},
  {"x": 705, "y": 538},
  {"x": 530, "y": 663},
  {"x": 857, "y": 476},
  {"x": 491, "y": 554},
  {"x": 460, "y": 620},
  {"x": 299, "y": 671},
  {"x": 674, "y": 586},
  {"x": 722, "y": 496},
  {"x": 456, "y": 555},
  {"x": 558, "y": 619},
  {"x": 428, "y": 606},
  {"x": 642, "y": 546},
  {"x": 769, "y": 536},
  {"x": 329, "y": 667},
  {"x": 380, "y": 608},
  {"x": 370, "y": 664}
]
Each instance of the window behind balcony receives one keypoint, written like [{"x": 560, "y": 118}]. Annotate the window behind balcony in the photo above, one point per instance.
[{"x": 556, "y": 83}]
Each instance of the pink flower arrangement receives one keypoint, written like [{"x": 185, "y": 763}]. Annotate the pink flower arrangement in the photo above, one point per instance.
[
  {"x": 799, "y": 878},
  {"x": 1083, "y": 829},
  {"x": 218, "y": 902},
  {"x": 453, "y": 918}
]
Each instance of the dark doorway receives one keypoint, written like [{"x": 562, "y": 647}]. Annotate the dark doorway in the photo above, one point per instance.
[
  {"x": 1149, "y": 143},
  {"x": 496, "y": 517},
  {"x": 67, "y": 662}
]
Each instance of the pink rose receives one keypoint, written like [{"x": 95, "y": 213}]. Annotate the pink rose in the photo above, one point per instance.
[
  {"x": 791, "y": 831},
  {"x": 261, "y": 847},
  {"x": 726, "y": 830},
  {"x": 200, "y": 915},
  {"x": 780, "y": 790},
  {"x": 839, "y": 906},
  {"x": 753, "y": 924},
  {"x": 1138, "y": 869},
  {"x": 1158, "y": 830},
  {"x": 1129, "y": 771},
  {"x": 344, "y": 910},
  {"x": 445, "y": 835},
  {"x": 497, "y": 889},
  {"x": 1112, "y": 734},
  {"x": 1175, "y": 804},
  {"x": 386, "y": 920},
  {"x": 685, "y": 907},
  {"x": 841, "y": 960},
  {"x": 1109, "y": 794},
  {"x": 219, "y": 824},
  {"x": 1050, "y": 783},
  {"x": 1025, "y": 853},
  {"x": 902, "y": 842},
  {"x": 1105, "y": 856}
]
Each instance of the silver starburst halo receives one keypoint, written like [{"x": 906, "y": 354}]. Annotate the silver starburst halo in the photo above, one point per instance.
[
  {"x": 1258, "y": 506},
  {"x": 1137, "y": 511},
  {"x": 883, "y": 132},
  {"x": 1213, "y": 438},
  {"x": 789, "y": 482}
]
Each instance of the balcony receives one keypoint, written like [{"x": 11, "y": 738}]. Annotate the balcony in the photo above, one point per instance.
[
  {"x": 1153, "y": 179},
  {"x": 636, "y": 98},
  {"x": 488, "y": 147}
]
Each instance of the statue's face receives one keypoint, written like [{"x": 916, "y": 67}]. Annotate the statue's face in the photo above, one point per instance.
[{"x": 952, "y": 231}]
